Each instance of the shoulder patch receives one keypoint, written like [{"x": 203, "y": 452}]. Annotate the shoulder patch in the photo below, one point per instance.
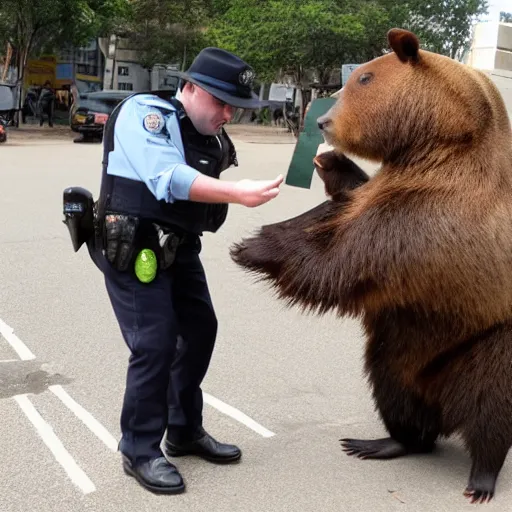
[{"x": 154, "y": 121}]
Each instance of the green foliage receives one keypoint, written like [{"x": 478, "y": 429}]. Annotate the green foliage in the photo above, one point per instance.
[
  {"x": 294, "y": 35},
  {"x": 445, "y": 26},
  {"x": 287, "y": 36},
  {"x": 166, "y": 31},
  {"x": 275, "y": 36},
  {"x": 33, "y": 25}
]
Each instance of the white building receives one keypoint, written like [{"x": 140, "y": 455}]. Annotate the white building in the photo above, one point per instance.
[
  {"x": 122, "y": 68},
  {"x": 124, "y": 72},
  {"x": 491, "y": 52},
  {"x": 492, "y": 46}
]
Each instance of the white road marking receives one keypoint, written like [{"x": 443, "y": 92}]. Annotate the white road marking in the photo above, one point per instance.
[
  {"x": 92, "y": 423},
  {"x": 9, "y": 360},
  {"x": 79, "y": 478},
  {"x": 20, "y": 347},
  {"x": 237, "y": 415},
  {"x": 45, "y": 431}
]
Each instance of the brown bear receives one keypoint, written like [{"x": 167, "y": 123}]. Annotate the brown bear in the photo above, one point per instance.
[{"x": 421, "y": 252}]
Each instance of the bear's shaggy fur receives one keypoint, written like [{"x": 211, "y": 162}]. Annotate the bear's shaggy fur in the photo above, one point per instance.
[{"x": 421, "y": 252}]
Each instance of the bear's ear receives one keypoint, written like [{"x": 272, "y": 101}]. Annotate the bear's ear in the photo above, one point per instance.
[{"x": 405, "y": 44}]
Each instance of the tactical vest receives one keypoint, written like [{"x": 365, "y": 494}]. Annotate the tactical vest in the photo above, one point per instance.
[{"x": 123, "y": 195}]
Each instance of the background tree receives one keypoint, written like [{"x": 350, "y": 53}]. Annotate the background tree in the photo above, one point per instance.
[
  {"x": 167, "y": 31},
  {"x": 278, "y": 37},
  {"x": 444, "y": 26},
  {"x": 505, "y": 17},
  {"x": 288, "y": 38},
  {"x": 292, "y": 36},
  {"x": 32, "y": 26}
]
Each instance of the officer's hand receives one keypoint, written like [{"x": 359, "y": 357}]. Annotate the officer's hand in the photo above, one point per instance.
[{"x": 256, "y": 192}]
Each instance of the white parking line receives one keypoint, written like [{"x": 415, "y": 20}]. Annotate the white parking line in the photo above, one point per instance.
[
  {"x": 237, "y": 415},
  {"x": 79, "y": 478},
  {"x": 45, "y": 431},
  {"x": 20, "y": 347},
  {"x": 9, "y": 360},
  {"x": 92, "y": 423}
]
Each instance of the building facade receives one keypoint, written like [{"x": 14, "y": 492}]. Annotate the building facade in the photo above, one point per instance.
[
  {"x": 124, "y": 71},
  {"x": 491, "y": 47}
]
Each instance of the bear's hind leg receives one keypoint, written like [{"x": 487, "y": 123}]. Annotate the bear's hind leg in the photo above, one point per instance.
[
  {"x": 478, "y": 406},
  {"x": 488, "y": 454}
]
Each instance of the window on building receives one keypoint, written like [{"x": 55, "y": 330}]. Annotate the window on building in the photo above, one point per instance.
[
  {"x": 125, "y": 86},
  {"x": 123, "y": 71},
  {"x": 87, "y": 69}
]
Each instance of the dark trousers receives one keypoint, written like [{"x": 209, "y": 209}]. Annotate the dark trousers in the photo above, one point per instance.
[
  {"x": 48, "y": 111},
  {"x": 170, "y": 327}
]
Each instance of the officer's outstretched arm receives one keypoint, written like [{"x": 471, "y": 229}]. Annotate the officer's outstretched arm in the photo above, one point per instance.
[{"x": 247, "y": 192}]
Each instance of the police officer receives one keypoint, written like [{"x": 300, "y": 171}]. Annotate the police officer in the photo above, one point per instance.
[{"x": 160, "y": 191}]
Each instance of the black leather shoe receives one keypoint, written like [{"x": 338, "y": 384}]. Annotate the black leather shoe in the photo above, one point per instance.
[
  {"x": 204, "y": 446},
  {"x": 157, "y": 475}
]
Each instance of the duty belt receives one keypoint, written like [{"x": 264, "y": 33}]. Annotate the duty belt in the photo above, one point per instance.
[{"x": 124, "y": 236}]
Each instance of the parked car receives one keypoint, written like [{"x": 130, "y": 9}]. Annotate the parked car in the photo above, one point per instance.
[
  {"x": 8, "y": 103},
  {"x": 90, "y": 112},
  {"x": 7, "y": 108},
  {"x": 3, "y": 129}
]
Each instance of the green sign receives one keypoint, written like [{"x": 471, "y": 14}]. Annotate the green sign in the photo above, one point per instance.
[{"x": 300, "y": 171}]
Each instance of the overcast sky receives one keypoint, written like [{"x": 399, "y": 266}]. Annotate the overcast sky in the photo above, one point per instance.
[{"x": 496, "y": 6}]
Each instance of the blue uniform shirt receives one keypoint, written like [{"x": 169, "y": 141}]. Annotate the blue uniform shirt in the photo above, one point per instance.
[{"x": 148, "y": 148}]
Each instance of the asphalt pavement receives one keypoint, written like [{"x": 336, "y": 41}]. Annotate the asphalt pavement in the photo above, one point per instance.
[{"x": 282, "y": 385}]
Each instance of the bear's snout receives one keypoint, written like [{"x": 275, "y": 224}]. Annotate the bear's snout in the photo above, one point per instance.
[{"x": 323, "y": 122}]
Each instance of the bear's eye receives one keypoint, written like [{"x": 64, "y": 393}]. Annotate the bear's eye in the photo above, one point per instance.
[{"x": 365, "y": 78}]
